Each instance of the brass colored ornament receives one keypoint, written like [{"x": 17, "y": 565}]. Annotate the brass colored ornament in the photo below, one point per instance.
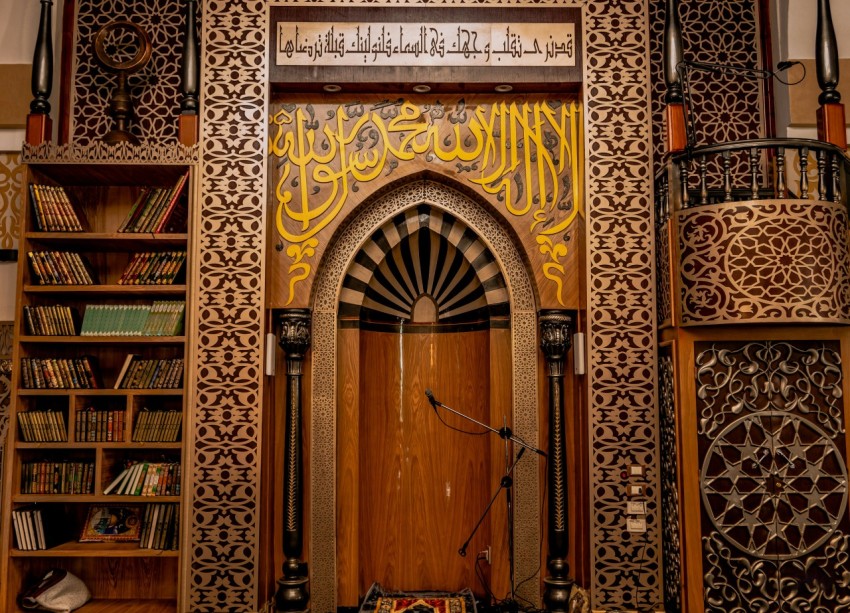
[{"x": 109, "y": 43}]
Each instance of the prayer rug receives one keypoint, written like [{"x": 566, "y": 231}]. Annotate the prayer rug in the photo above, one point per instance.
[{"x": 380, "y": 601}]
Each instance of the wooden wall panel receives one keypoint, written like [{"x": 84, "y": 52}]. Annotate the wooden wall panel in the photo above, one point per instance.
[{"x": 423, "y": 486}]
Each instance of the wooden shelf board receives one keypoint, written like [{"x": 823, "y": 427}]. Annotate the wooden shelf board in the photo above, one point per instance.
[
  {"x": 91, "y": 340},
  {"x": 130, "y": 445},
  {"x": 115, "y": 605},
  {"x": 73, "y": 549},
  {"x": 146, "y": 290},
  {"x": 100, "y": 392},
  {"x": 91, "y": 499},
  {"x": 119, "y": 241}
]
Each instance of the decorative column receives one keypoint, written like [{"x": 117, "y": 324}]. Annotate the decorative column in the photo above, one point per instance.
[
  {"x": 676, "y": 131},
  {"x": 190, "y": 78},
  {"x": 39, "y": 124},
  {"x": 831, "y": 125},
  {"x": 292, "y": 592},
  {"x": 555, "y": 343}
]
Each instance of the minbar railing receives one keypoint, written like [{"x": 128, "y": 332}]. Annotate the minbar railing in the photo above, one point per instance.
[{"x": 765, "y": 169}]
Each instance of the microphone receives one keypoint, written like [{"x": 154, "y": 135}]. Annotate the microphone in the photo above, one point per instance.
[{"x": 431, "y": 398}]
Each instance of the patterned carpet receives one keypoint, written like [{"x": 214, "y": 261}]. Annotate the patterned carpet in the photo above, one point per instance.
[{"x": 380, "y": 601}]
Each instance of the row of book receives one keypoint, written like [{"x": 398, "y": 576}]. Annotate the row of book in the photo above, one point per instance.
[
  {"x": 147, "y": 479},
  {"x": 60, "y": 268},
  {"x": 161, "y": 527},
  {"x": 38, "y": 527},
  {"x": 153, "y": 268},
  {"x": 53, "y": 209},
  {"x": 63, "y": 477},
  {"x": 50, "y": 320},
  {"x": 42, "y": 426},
  {"x": 142, "y": 373},
  {"x": 97, "y": 425},
  {"x": 156, "y": 209},
  {"x": 162, "y": 318},
  {"x": 59, "y": 373},
  {"x": 157, "y": 426}
]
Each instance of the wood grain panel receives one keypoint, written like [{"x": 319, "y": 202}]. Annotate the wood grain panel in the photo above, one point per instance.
[
  {"x": 423, "y": 485},
  {"x": 348, "y": 468}
]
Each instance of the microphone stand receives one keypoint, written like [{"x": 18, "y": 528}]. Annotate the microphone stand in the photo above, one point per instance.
[{"x": 506, "y": 483}]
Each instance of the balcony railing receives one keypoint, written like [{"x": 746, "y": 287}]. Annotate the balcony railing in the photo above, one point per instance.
[{"x": 766, "y": 169}]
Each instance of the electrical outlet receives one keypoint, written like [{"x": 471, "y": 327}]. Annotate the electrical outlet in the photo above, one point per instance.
[
  {"x": 636, "y": 507},
  {"x": 485, "y": 554},
  {"x": 634, "y": 490},
  {"x": 636, "y": 524},
  {"x": 636, "y": 470}
]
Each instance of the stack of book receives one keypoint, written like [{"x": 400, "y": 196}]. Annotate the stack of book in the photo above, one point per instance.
[
  {"x": 59, "y": 373},
  {"x": 99, "y": 425},
  {"x": 156, "y": 373},
  {"x": 158, "y": 209},
  {"x": 53, "y": 209},
  {"x": 147, "y": 479},
  {"x": 160, "y": 528},
  {"x": 157, "y": 426},
  {"x": 60, "y": 268},
  {"x": 162, "y": 318},
  {"x": 153, "y": 268},
  {"x": 38, "y": 527},
  {"x": 63, "y": 477},
  {"x": 53, "y": 320},
  {"x": 43, "y": 426}
]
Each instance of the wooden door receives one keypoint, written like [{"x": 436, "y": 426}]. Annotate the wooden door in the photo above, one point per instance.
[{"x": 422, "y": 485}]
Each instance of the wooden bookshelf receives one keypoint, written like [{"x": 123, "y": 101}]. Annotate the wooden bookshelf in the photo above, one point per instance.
[{"x": 120, "y": 575}]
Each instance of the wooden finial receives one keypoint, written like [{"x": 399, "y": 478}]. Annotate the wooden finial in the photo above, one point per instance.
[
  {"x": 676, "y": 135},
  {"x": 830, "y": 115},
  {"x": 190, "y": 79},
  {"x": 39, "y": 124}
]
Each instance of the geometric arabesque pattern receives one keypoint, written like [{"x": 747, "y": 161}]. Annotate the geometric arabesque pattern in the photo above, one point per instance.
[
  {"x": 11, "y": 201},
  {"x": 772, "y": 261},
  {"x": 773, "y": 481},
  {"x": 154, "y": 90},
  {"x": 626, "y": 567}
]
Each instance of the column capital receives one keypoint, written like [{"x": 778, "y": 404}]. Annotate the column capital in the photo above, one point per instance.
[
  {"x": 295, "y": 332},
  {"x": 555, "y": 340}
]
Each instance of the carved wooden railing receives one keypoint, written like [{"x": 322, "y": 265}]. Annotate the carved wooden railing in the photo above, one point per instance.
[{"x": 772, "y": 169}]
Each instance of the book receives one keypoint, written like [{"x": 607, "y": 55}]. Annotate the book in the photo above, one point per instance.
[{"x": 165, "y": 216}]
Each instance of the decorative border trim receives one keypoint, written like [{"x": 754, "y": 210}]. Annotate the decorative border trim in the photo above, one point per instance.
[
  {"x": 99, "y": 152},
  {"x": 621, "y": 315}
]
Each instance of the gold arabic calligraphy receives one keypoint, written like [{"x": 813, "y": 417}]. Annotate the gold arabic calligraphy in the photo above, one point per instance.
[{"x": 523, "y": 154}]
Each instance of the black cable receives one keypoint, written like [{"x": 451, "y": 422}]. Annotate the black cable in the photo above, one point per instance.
[
  {"x": 642, "y": 557},
  {"x": 480, "y": 574},
  {"x": 461, "y": 430}
]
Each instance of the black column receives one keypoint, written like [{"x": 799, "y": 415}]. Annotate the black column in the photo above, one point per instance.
[
  {"x": 555, "y": 343},
  {"x": 292, "y": 592},
  {"x": 42, "y": 62},
  {"x": 190, "y": 65}
]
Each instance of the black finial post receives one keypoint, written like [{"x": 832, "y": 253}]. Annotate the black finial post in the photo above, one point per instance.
[
  {"x": 826, "y": 56},
  {"x": 190, "y": 78},
  {"x": 673, "y": 53},
  {"x": 676, "y": 137},
  {"x": 39, "y": 125},
  {"x": 830, "y": 115}
]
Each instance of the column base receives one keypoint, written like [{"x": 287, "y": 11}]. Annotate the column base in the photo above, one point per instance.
[{"x": 292, "y": 595}]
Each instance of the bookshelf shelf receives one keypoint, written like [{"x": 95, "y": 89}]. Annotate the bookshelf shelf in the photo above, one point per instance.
[
  {"x": 96, "y": 340},
  {"x": 98, "y": 424},
  {"x": 73, "y": 549},
  {"x": 92, "y": 499}
]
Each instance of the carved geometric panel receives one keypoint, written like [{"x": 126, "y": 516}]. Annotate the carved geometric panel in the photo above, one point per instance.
[
  {"x": 669, "y": 470},
  {"x": 626, "y": 567},
  {"x": 773, "y": 476},
  {"x": 154, "y": 89},
  {"x": 11, "y": 202},
  {"x": 776, "y": 261}
]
